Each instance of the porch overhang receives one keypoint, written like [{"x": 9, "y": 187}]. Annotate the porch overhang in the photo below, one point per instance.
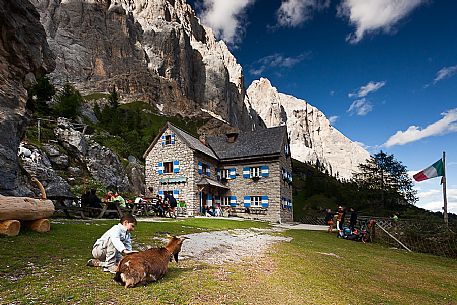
[{"x": 210, "y": 182}]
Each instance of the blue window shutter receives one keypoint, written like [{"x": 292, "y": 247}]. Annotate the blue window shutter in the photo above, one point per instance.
[
  {"x": 172, "y": 138},
  {"x": 176, "y": 166},
  {"x": 161, "y": 193},
  {"x": 200, "y": 167},
  {"x": 247, "y": 201},
  {"x": 264, "y": 171},
  {"x": 163, "y": 140},
  {"x": 208, "y": 170},
  {"x": 264, "y": 201},
  {"x": 176, "y": 194},
  {"x": 246, "y": 173},
  {"x": 209, "y": 200},
  {"x": 232, "y": 173},
  {"x": 160, "y": 168},
  {"x": 233, "y": 201}
]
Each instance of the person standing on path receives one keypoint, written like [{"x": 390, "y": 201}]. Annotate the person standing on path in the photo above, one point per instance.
[
  {"x": 340, "y": 218},
  {"x": 329, "y": 220}
]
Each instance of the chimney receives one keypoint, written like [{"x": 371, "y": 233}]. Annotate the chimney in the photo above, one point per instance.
[
  {"x": 231, "y": 137},
  {"x": 202, "y": 138}
]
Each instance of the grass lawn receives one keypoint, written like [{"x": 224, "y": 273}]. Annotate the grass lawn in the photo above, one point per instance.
[{"x": 314, "y": 268}]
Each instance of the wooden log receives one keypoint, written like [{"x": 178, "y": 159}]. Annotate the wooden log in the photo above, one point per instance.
[
  {"x": 10, "y": 227},
  {"x": 39, "y": 225},
  {"x": 24, "y": 208}
]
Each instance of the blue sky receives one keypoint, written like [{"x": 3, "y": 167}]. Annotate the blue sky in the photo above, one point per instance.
[{"x": 384, "y": 72}]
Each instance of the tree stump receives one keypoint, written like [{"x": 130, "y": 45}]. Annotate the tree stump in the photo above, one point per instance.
[
  {"x": 39, "y": 225},
  {"x": 10, "y": 227}
]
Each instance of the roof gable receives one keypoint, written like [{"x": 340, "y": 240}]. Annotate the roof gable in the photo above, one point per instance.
[{"x": 188, "y": 139}]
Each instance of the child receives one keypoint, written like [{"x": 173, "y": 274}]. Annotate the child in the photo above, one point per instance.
[{"x": 107, "y": 249}]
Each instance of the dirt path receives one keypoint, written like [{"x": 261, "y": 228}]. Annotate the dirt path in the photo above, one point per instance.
[{"x": 219, "y": 247}]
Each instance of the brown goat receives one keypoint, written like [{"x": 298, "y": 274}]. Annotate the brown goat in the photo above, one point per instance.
[{"x": 149, "y": 265}]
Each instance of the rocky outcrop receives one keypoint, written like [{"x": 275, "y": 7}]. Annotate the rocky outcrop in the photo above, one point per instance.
[
  {"x": 74, "y": 155},
  {"x": 312, "y": 138},
  {"x": 39, "y": 165},
  {"x": 102, "y": 164},
  {"x": 152, "y": 50},
  {"x": 24, "y": 54}
]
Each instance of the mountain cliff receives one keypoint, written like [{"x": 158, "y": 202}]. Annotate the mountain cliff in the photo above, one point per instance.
[
  {"x": 312, "y": 137},
  {"x": 151, "y": 50},
  {"x": 24, "y": 55},
  {"x": 157, "y": 51}
]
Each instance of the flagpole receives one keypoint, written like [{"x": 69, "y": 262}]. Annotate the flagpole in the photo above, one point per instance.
[{"x": 444, "y": 190}]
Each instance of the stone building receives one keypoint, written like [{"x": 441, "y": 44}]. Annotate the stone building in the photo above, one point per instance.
[{"x": 247, "y": 174}]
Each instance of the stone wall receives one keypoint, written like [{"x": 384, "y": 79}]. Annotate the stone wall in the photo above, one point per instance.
[
  {"x": 272, "y": 186},
  {"x": 188, "y": 168},
  {"x": 286, "y": 188},
  {"x": 169, "y": 153}
]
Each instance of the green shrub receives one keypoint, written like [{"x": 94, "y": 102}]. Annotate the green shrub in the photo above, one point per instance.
[
  {"x": 42, "y": 91},
  {"x": 68, "y": 102}
]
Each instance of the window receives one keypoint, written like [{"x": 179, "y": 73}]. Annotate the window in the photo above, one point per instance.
[
  {"x": 225, "y": 201},
  {"x": 256, "y": 201},
  {"x": 254, "y": 172},
  {"x": 225, "y": 174},
  {"x": 204, "y": 168},
  {"x": 168, "y": 139},
  {"x": 168, "y": 167},
  {"x": 286, "y": 149}
]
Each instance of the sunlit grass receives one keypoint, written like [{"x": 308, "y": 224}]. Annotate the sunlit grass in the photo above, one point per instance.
[{"x": 314, "y": 268}]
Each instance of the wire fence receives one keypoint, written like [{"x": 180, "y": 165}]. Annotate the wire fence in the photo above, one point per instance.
[{"x": 417, "y": 235}]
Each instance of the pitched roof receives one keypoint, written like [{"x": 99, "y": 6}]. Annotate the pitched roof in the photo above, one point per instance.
[
  {"x": 262, "y": 142},
  {"x": 190, "y": 140}
]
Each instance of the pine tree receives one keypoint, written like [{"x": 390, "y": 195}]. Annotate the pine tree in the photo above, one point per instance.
[
  {"x": 69, "y": 102},
  {"x": 386, "y": 180}
]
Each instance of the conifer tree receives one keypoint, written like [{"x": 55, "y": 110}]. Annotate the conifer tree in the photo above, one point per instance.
[{"x": 386, "y": 180}]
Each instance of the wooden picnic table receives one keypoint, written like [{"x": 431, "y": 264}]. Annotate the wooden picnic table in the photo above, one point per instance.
[{"x": 88, "y": 212}]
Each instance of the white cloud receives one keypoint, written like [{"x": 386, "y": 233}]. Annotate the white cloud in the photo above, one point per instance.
[
  {"x": 360, "y": 107},
  {"x": 445, "y": 125},
  {"x": 368, "y": 88},
  {"x": 333, "y": 119},
  {"x": 430, "y": 194},
  {"x": 444, "y": 73},
  {"x": 369, "y": 16},
  {"x": 293, "y": 13},
  {"x": 276, "y": 61},
  {"x": 226, "y": 18}
]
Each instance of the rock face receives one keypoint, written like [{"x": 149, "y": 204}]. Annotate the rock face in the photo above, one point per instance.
[
  {"x": 102, "y": 164},
  {"x": 312, "y": 137},
  {"x": 153, "y": 50},
  {"x": 24, "y": 54},
  {"x": 51, "y": 165}
]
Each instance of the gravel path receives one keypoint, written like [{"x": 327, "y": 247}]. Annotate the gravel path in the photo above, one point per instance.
[{"x": 229, "y": 246}]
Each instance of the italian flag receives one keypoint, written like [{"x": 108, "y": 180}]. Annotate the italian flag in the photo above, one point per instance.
[{"x": 436, "y": 170}]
